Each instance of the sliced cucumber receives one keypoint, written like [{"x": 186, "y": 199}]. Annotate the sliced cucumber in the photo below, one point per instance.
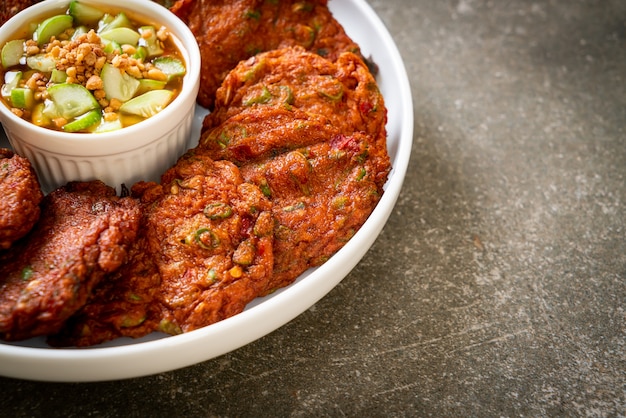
[
  {"x": 109, "y": 22},
  {"x": 148, "y": 104},
  {"x": 104, "y": 22},
  {"x": 147, "y": 84},
  {"x": 22, "y": 97},
  {"x": 79, "y": 30},
  {"x": 72, "y": 100},
  {"x": 85, "y": 14},
  {"x": 11, "y": 81},
  {"x": 116, "y": 84},
  {"x": 150, "y": 41},
  {"x": 172, "y": 67},
  {"x": 52, "y": 26},
  {"x": 107, "y": 126},
  {"x": 41, "y": 62},
  {"x": 121, "y": 36},
  {"x": 111, "y": 47},
  {"x": 141, "y": 53},
  {"x": 58, "y": 76},
  {"x": 83, "y": 122},
  {"x": 12, "y": 52}
]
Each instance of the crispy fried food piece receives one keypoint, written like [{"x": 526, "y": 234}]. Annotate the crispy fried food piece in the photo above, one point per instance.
[
  {"x": 344, "y": 90},
  {"x": 21, "y": 195},
  {"x": 322, "y": 194},
  {"x": 83, "y": 234},
  {"x": 338, "y": 97},
  {"x": 12, "y": 7},
  {"x": 230, "y": 31},
  {"x": 205, "y": 253},
  {"x": 311, "y": 134}
]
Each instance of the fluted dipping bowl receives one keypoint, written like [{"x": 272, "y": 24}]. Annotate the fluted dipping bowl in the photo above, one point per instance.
[{"x": 139, "y": 152}]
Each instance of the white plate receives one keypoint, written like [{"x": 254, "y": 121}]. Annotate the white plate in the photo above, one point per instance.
[{"x": 126, "y": 358}]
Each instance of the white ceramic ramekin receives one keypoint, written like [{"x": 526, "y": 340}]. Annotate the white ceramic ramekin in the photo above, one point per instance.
[{"x": 139, "y": 152}]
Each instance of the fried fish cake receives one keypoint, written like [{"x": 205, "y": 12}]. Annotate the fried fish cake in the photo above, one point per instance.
[
  {"x": 21, "y": 195},
  {"x": 289, "y": 98},
  {"x": 83, "y": 234},
  {"x": 311, "y": 134},
  {"x": 293, "y": 77},
  {"x": 321, "y": 194},
  {"x": 207, "y": 242},
  {"x": 231, "y": 31}
]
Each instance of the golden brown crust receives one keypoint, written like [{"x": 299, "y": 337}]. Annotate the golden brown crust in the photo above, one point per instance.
[
  {"x": 311, "y": 134},
  {"x": 82, "y": 235},
  {"x": 21, "y": 195},
  {"x": 230, "y": 31},
  {"x": 204, "y": 253}
]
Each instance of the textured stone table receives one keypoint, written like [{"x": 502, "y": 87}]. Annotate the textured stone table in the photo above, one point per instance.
[{"x": 497, "y": 287}]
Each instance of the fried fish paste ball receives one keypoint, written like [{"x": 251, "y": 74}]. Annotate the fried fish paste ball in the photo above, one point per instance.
[
  {"x": 322, "y": 194},
  {"x": 230, "y": 31},
  {"x": 21, "y": 195},
  {"x": 206, "y": 252},
  {"x": 83, "y": 233}
]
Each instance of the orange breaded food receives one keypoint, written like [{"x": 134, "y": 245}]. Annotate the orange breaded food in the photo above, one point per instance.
[
  {"x": 321, "y": 194},
  {"x": 229, "y": 31},
  {"x": 344, "y": 92},
  {"x": 310, "y": 133},
  {"x": 82, "y": 235},
  {"x": 21, "y": 195},
  {"x": 204, "y": 254}
]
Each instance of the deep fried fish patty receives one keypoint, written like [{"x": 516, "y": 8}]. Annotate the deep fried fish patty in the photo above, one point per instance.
[
  {"x": 322, "y": 194},
  {"x": 204, "y": 254},
  {"x": 229, "y": 31},
  {"x": 311, "y": 134},
  {"x": 21, "y": 195},
  {"x": 83, "y": 234},
  {"x": 343, "y": 90}
]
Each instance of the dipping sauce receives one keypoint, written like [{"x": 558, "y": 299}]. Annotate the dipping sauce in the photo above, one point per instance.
[{"x": 90, "y": 70}]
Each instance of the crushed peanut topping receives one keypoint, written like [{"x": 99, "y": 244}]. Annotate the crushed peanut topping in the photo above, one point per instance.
[{"x": 82, "y": 59}]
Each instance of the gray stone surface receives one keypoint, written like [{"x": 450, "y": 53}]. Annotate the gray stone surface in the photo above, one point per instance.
[{"x": 497, "y": 288}]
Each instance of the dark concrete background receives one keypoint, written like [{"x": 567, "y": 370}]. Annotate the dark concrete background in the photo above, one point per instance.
[{"x": 497, "y": 288}]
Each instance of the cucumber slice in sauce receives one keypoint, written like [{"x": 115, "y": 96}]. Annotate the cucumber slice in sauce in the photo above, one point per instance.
[
  {"x": 150, "y": 41},
  {"x": 22, "y": 98},
  {"x": 116, "y": 84},
  {"x": 11, "y": 81},
  {"x": 12, "y": 52},
  {"x": 109, "y": 22},
  {"x": 148, "y": 104},
  {"x": 172, "y": 67},
  {"x": 83, "y": 122},
  {"x": 147, "y": 84},
  {"x": 85, "y": 14},
  {"x": 58, "y": 76},
  {"x": 72, "y": 100},
  {"x": 121, "y": 36},
  {"x": 107, "y": 126},
  {"x": 52, "y": 26},
  {"x": 41, "y": 62}
]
